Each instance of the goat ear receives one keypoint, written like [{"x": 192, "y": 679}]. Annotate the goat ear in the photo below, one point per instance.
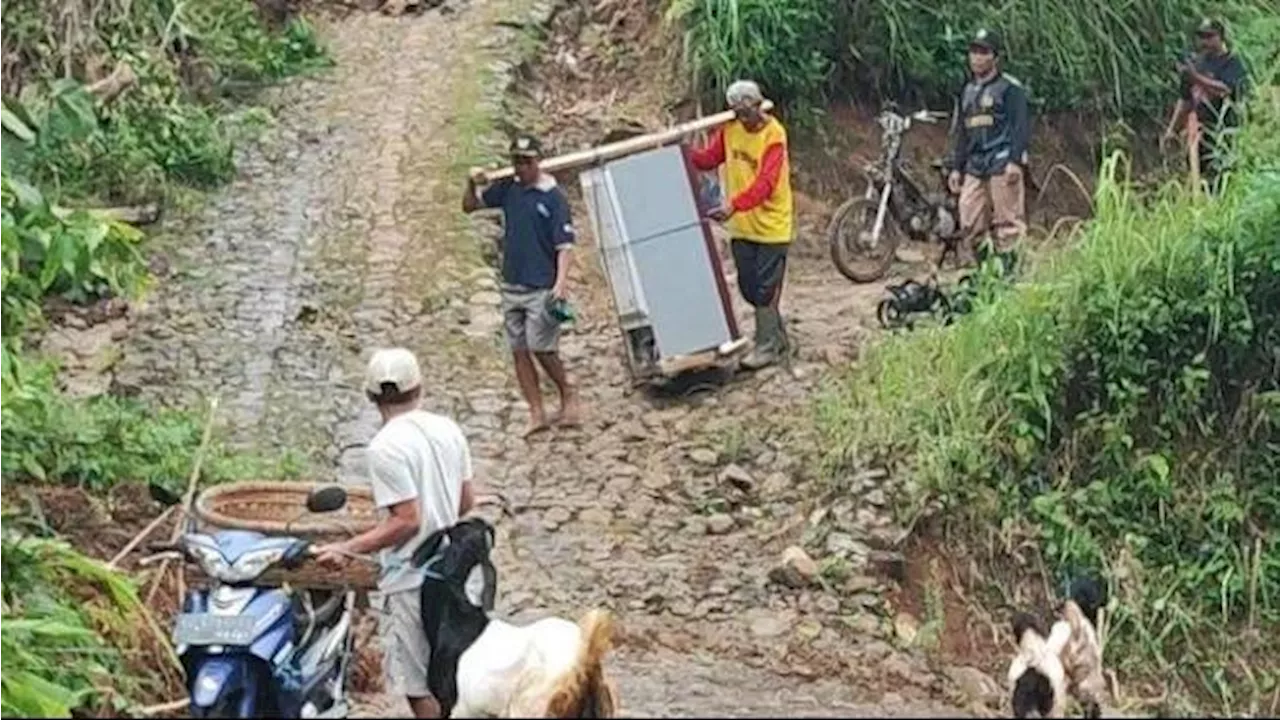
[{"x": 427, "y": 549}]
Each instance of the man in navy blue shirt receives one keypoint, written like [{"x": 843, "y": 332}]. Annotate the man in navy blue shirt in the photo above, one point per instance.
[
  {"x": 1213, "y": 85},
  {"x": 537, "y": 236}
]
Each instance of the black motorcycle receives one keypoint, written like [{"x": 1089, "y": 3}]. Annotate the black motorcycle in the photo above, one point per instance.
[{"x": 865, "y": 231}]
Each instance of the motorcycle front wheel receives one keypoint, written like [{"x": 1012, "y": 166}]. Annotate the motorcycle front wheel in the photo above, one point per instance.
[{"x": 849, "y": 239}]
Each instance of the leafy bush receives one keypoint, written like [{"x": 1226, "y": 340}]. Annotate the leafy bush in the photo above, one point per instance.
[
  {"x": 1114, "y": 58},
  {"x": 79, "y": 255},
  {"x": 1120, "y": 410},
  {"x": 158, "y": 130}
]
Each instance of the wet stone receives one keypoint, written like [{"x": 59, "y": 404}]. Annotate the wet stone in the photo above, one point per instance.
[
  {"x": 906, "y": 628},
  {"x": 775, "y": 484},
  {"x": 704, "y": 456},
  {"x": 738, "y": 478},
  {"x": 595, "y": 516},
  {"x": 555, "y": 517},
  {"x": 794, "y": 569},
  {"x": 656, "y": 481},
  {"x": 719, "y": 524},
  {"x": 976, "y": 685},
  {"x": 769, "y": 624},
  {"x": 845, "y": 545}
]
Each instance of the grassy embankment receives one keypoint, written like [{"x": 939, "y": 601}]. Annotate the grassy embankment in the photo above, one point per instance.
[
  {"x": 106, "y": 104},
  {"x": 1116, "y": 411}
]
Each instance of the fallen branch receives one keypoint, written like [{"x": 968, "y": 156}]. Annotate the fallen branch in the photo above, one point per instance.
[
  {"x": 164, "y": 708},
  {"x": 187, "y": 501},
  {"x": 132, "y": 214},
  {"x": 140, "y": 537},
  {"x": 109, "y": 87},
  {"x": 162, "y": 637}
]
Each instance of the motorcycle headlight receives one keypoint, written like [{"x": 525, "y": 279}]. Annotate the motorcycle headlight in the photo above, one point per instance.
[
  {"x": 210, "y": 560},
  {"x": 252, "y": 564}
]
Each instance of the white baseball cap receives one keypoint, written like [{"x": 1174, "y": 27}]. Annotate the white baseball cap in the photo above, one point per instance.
[{"x": 396, "y": 366}]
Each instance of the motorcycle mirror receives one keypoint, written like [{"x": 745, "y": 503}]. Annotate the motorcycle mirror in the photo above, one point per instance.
[
  {"x": 162, "y": 494},
  {"x": 326, "y": 499}
]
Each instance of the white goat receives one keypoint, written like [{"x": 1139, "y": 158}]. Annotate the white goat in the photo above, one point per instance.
[
  {"x": 484, "y": 667},
  {"x": 1068, "y": 660}
]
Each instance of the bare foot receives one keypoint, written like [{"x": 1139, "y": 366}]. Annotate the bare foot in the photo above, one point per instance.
[
  {"x": 537, "y": 424},
  {"x": 570, "y": 415}
]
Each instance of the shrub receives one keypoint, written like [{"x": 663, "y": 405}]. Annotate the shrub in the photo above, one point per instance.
[
  {"x": 159, "y": 130},
  {"x": 1121, "y": 410},
  {"x": 1094, "y": 55}
]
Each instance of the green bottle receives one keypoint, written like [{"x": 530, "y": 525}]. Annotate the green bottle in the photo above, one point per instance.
[{"x": 562, "y": 311}]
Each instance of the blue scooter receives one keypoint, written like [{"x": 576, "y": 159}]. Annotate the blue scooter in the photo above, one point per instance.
[{"x": 255, "y": 651}]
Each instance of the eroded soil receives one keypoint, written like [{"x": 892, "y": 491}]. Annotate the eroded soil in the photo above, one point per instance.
[{"x": 342, "y": 234}]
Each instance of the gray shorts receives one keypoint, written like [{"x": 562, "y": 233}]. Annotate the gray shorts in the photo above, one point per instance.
[
  {"x": 528, "y": 320},
  {"x": 406, "y": 652}
]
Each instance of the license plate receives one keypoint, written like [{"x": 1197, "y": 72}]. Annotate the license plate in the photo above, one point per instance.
[{"x": 201, "y": 629}]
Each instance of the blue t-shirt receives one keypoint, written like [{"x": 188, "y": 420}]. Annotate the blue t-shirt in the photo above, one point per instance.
[{"x": 537, "y": 224}]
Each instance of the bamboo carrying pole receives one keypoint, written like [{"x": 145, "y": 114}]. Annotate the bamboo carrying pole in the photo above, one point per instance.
[{"x": 592, "y": 156}]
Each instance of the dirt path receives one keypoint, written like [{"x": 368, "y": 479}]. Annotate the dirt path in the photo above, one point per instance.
[{"x": 342, "y": 235}]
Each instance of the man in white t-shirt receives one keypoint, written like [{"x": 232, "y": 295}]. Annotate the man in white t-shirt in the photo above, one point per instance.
[{"x": 420, "y": 470}]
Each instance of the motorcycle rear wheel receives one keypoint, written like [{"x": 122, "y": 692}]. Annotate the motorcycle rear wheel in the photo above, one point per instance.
[{"x": 846, "y": 234}]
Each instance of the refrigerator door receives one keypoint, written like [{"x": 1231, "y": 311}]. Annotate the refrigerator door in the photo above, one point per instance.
[{"x": 666, "y": 241}]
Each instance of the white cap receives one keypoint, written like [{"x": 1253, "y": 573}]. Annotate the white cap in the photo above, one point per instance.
[
  {"x": 396, "y": 366},
  {"x": 743, "y": 91}
]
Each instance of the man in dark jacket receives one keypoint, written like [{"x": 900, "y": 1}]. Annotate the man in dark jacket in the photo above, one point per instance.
[
  {"x": 990, "y": 132},
  {"x": 1213, "y": 84}
]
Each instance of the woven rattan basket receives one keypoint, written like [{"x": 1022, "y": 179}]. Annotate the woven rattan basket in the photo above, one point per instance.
[{"x": 280, "y": 508}]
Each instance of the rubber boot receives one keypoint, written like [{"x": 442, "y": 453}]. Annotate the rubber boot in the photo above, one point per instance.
[{"x": 770, "y": 340}]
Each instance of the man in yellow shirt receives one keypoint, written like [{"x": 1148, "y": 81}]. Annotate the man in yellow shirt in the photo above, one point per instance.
[{"x": 758, "y": 214}]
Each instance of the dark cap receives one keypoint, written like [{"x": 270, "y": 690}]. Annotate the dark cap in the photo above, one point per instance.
[
  {"x": 988, "y": 39},
  {"x": 526, "y": 146},
  {"x": 1210, "y": 26}
]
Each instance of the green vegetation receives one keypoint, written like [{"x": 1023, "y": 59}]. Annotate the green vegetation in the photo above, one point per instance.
[
  {"x": 79, "y": 256},
  {"x": 75, "y": 635},
  {"x": 1119, "y": 411},
  {"x": 112, "y": 102},
  {"x": 166, "y": 126},
  {"x": 1089, "y": 55}
]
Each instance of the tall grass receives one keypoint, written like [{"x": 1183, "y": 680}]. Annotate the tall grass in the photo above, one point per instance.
[
  {"x": 1119, "y": 411},
  {"x": 785, "y": 46},
  {"x": 1094, "y": 55}
]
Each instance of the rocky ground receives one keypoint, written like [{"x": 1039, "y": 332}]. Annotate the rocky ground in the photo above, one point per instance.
[{"x": 745, "y": 586}]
